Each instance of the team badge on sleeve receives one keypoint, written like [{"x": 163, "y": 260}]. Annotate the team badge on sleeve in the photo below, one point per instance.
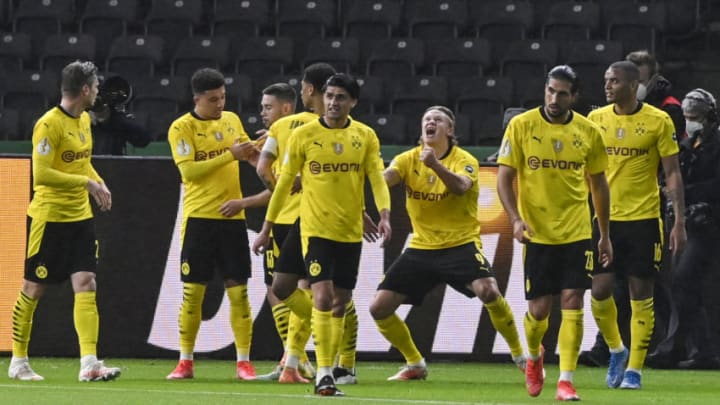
[
  {"x": 43, "y": 148},
  {"x": 183, "y": 149},
  {"x": 469, "y": 169},
  {"x": 505, "y": 149}
]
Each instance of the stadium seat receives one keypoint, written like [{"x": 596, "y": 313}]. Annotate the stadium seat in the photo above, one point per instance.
[
  {"x": 41, "y": 18},
  {"x": 252, "y": 122},
  {"x": 526, "y": 60},
  {"x": 530, "y": 93},
  {"x": 481, "y": 99},
  {"x": 390, "y": 129},
  {"x": 173, "y": 20},
  {"x": 462, "y": 57},
  {"x": 463, "y": 130},
  {"x": 501, "y": 21},
  {"x": 15, "y": 51},
  {"x": 165, "y": 94},
  {"x": 135, "y": 55},
  {"x": 372, "y": 19},
  {"x": 158, "y": 124},
  {"x": 61, "y": 49},
  {"x": 10, "y": 125},
  {"x": 636, "y": 25},
  {"x": 342, "y": 53},
  {"x": 590, "y": 60},
  {"x": 411, "y": 96},
  {"x": 239, "y": 93},
  {"x": 31, "y": 90},
  {"x": 261, "y": 58},
  {"x": 396, "y": 58},
  {"x": 373, "y": 98},
  {"x": 196, "y": 52},
  {"x": 571, "y": 21},
  {"x": 304, "y": 20},
  {"x": 432, "y": 19},
  {"x": 107, "y": 20},
  {"x": 234, "y": 18}
]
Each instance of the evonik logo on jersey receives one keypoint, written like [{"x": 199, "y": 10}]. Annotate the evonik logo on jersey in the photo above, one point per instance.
[
  {"x": 535, "y": 163},
  {"x": 201, "y": 155},
  {"x": 317, "y": 167}
]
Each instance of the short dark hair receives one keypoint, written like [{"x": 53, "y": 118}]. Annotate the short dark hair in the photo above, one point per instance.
[
  {"x": 566, "y": 74},
  {"x": 345, "y": 81},
  {"x": 630, "y": 69},
  {"x": 644, "y": 58},
  {"x": 76, "y": 75},
  {"x": 205, "y": 79},
  {"x": 317, "y": 74},
  {"x": 282, "y": 91}
]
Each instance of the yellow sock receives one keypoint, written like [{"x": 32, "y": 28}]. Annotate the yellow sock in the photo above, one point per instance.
[
  {"x": 534, "y": 332},
  {"x": 22, "y": 324},
  {"x": 240, "y": 320},
  {"x": 300, "y": 303},
  {"x": 298, "y": 335},
  {"x": 190, "y": 315},
  {"x": 503, "y": 320},
  {"x": 348, "y": 344},
  {"x": 87, "y": 322},
  {"x": 322, "y": 333},
  {"x": 642, "y": 323},
  {"x": 336, "y": 328},
  {"x": 397, "y": 333},
  {"x": 281, "y": 314},
  {"x": 605, "y": 314},
  {"x": 569, "y": 338}
]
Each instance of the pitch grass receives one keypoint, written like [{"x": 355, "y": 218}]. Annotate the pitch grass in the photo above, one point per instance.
[{"x": 143, "y": 382}]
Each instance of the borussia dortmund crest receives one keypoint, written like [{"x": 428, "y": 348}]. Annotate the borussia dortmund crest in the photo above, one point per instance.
[
  {"x": 577, "y": 142},
  {"x": 356, "y": 142},
  {"x": 338, "y": 147}
]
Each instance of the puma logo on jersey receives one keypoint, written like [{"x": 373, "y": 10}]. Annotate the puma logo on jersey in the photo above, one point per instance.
[{"x": 537, "y": 139}]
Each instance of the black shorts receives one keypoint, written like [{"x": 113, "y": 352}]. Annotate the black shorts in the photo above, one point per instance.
[
  {"x": 330, "y": 260},
  {"x": 279, "y": 232},
  {"x": 291, "y": 259},
  {"x": 637, "y": 248},
  {"x": 214, "y": 243},
  {"x": 416, "y": 271},
  {"x": 549, "y": 269},
  {"x": 58, "y": 249}
]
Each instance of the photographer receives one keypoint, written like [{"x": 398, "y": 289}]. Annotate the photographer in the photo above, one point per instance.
[
  {"x": 700, "y": 165},
  {"x": 112, "y": 127}
]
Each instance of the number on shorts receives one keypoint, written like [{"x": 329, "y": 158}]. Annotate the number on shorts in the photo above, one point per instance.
[{"x": 589, "y": 260}]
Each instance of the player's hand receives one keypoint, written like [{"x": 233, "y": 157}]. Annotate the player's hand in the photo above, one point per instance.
[
  {"x": 385, "y": 231},
  {"x": 296, "y": 186},
  {"x": 101, "y": 194},
  {"x": 244, "y": 151},
  {"x": 521, "y": 231},
  {"x": 232, "y": 207},
  {"x": 261, "y": 138},
  {"x": 262, "y": 241},
  {"x": 605, "y": 252},
  {"x": 678, "y": 238},
  {"x": 370, "y": 229},
  {"x": 427, "y": 156}
]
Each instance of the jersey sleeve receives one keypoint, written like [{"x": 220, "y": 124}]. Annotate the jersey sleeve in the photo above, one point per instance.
[
  {"x": 271, "y": 143},
  {"x": 374, "y": 167},
  {"x": 468, "y": 167},
  {"x": 242, "y": 135},
  {"x": 293, "y": 161},
  {"x": 401, "y": 163},
  {"x": 46, "y": 144},
  {"x": 183, "y": 152},
  {"x": 597, "y": 161},
  {"x": 667, "y": 145},
  {"x": 510, "y": 153}
]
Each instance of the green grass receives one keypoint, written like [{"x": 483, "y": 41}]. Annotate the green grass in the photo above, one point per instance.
[{"x": 143, "y": 382}]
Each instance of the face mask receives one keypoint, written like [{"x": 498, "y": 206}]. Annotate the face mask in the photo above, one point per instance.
[
  {"x": 641, "y": 92},
  {"x": 693, "y": 126}
]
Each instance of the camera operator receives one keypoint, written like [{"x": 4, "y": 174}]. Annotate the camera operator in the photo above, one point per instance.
[
  {"x": 112, "y": 126},
  {"x": 700, "y": 165}
]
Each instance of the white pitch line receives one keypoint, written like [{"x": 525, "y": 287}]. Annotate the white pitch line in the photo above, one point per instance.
[{"x": 240, "y": 394}]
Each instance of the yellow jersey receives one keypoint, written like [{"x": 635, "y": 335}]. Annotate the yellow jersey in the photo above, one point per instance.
[
  {"x": 333, "y": 163},
  {"x": 635, "y": 143},
  {"x": 278, "y": 136},
  {"x": 551, "y": 162},
  {"x": 62, "y": 147},
  {"x": 440, "y": 219},
  {"x": 209, "y": 171}
]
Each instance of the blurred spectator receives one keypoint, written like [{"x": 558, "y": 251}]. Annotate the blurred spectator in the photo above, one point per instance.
[{"x": 112, "y": 127}]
